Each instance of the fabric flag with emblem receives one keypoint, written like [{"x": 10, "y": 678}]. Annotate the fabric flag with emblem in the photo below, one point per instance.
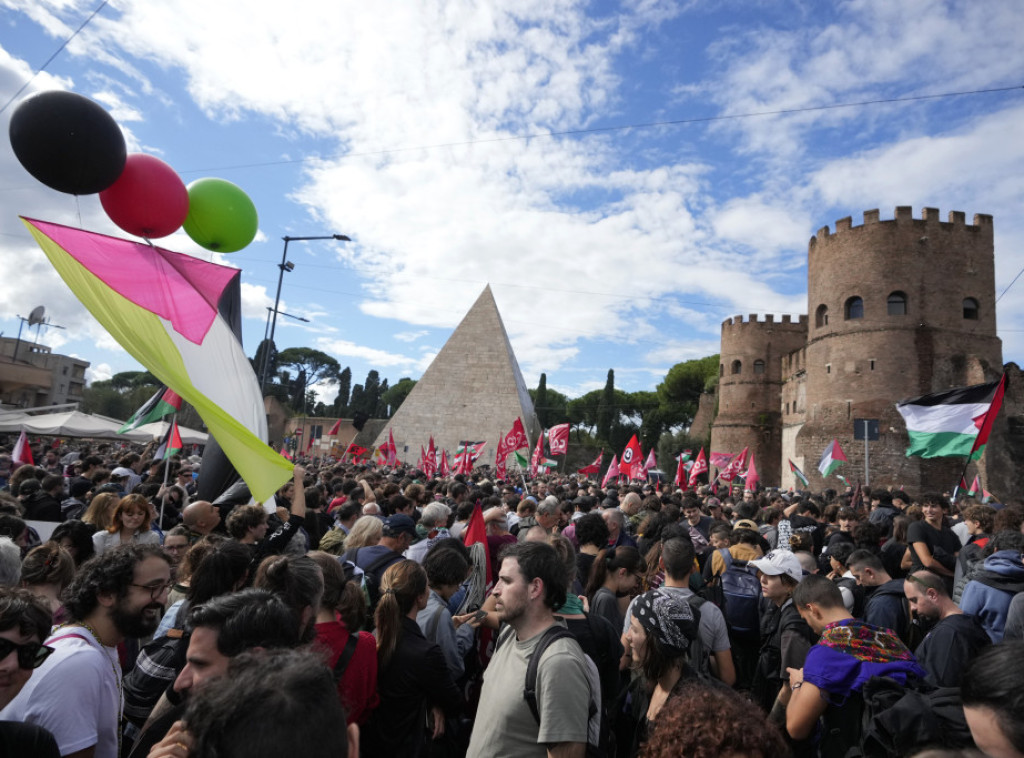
[
  {"x": 516, "y": 438},
  {"x": 831, "y": 459},
  {"x": 700, "y": 466},
  {"x": 22, "y": 453},
  {"x": 163, "y": 403},
  {"x": 734, "y": 467},
  {"x": 392, "y": 457},
  {"x": 593, "y": 468},
  {"x": 163, "y": 308},
  {"x": 170, "y": 444},
  {"x": 612, "y": 472},
  {"x": 538, "y": 453},
  {"x": 558, "y": 439},
  {"x": 798, "y": 474},
  {"x": 751, "y": 478},
  {"x": 954, "y": 422},
  {"x": 721, "y": 460},
  {"x": 430, "y": 462},
  {"x": 631, "y": 461},
  {"x": 335, "y": 429}
]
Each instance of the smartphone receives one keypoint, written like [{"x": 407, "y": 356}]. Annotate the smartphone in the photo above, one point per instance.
[{"x": 479, "y": 615}]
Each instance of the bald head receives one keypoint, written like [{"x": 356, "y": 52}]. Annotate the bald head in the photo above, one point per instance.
[{"x": 201, "y": 516}]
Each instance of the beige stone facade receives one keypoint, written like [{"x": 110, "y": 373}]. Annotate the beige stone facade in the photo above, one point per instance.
[{"x": 473, "y": 390}]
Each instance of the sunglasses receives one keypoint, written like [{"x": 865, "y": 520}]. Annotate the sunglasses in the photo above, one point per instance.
[{"x": 30, "y": 655}]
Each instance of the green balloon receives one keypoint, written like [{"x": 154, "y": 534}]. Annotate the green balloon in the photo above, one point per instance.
[{"x": 221, "y": 217}]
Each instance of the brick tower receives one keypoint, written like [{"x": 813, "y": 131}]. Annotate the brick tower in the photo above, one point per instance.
[
  {"x": 896, "y": 309},
  {"x": 749, "y": 388}
]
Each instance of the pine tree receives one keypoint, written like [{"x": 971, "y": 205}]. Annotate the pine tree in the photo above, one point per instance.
[
  {"x": 606, "y": 409},
  {"x": 540, "y": 403},
  {"x": 344, "y": 390}
]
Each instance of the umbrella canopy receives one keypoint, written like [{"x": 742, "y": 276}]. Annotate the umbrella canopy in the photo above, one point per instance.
[
  {"x": 159, "y": 428},
  {"x": 78, "y": 424}
]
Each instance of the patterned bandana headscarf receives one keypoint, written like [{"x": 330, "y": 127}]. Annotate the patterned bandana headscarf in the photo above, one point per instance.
[{"x": 668, "y": 617}]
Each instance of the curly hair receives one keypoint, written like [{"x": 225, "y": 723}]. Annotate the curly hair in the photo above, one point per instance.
[
  {"x": 706, "y": 722},
  {"x": 111, "y": 572},
  {"x": 242, "y": 517},
  {"x": 79, "y": 536},
  {"x": 21, "y": 610}
]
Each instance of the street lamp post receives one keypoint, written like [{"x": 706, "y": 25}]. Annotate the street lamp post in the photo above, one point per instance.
[{"x": 287, "y": 265}]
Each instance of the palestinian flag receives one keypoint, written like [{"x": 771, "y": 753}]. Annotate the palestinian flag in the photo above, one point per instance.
[
  {"x": 975, "y": 486},
  {"x": 831, "y": 458},
  {"x": 521, "y": 460},
  {"x": 954, "y": 422},
  {"x": 163, "y": 403},
  {"x": 164, "y": 309},
  {"x": 170, "y": 444},
  {"x": 798, "y": 474}
]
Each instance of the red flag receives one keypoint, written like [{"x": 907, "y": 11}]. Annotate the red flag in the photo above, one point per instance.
[
  {"x": 721, "y": 460},
  {"x": 680, "y": 479},
  {"x": 285, "y": 453},
  {"x": 558, "y": 439},
  {"x": 476, "y": 534},
  {"x": 430, "y": 463},
  {"x": 700, "y": 466},
  {"x": 975, "y": 486},
  {"x": 392, "y": 450},
  {"x": 731, "y": 471},
  {"x": 650, "y": 463},
  {"x": 515, "y": 439},
  {"x": 334, "y": 429},
  {"x": 593, "y": 468},
  {"x": 631, "y": 457},
  {"x": 445, "y": 468},
  {"x": 22, "y": 452},
  {"x": 538, "y": 453},
  {"x": 751, "y": 479},
  {"x": 612, "y": 472},
  {"x": 309, "y": 444}
]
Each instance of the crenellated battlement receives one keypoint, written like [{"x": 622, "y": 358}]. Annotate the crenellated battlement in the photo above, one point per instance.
[
  {"x": 955, "y": 221},
  {"x": 753, "y": 321}
]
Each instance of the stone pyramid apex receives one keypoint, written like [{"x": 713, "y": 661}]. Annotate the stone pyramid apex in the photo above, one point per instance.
[{"x": 473, "y": 390}]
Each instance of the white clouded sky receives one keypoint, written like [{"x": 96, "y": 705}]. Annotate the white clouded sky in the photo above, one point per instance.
[{"x": 626, "y": 249}]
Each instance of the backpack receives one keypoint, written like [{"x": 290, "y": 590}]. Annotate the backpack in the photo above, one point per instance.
[
  {"x": 371, "y": 574},
  {"x": 156, "y": 668},
  {"x": 898, "y": 720},
  {"x": 598, "y": 733},
  {"x": 740, "y": 597},
  {"x": 699, "y": 655},
  {"x": 912, "y": 634}
]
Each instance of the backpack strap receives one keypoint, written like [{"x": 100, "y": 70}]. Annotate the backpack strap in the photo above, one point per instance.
[
  {"x": 726, "y": 556},
  {"x": 372, "y": 569},
  {"x": 346, "y": 655},
  {"x": 551, "y": 634}
]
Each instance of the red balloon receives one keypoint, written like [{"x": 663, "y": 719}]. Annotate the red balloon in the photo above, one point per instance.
[{"x": 148, "y": 199}]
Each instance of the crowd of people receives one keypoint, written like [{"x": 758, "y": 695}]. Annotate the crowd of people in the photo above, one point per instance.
[{"x": 378, "y": 611}]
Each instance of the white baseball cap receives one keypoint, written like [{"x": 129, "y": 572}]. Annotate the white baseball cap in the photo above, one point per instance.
[{"x": 777, "y": 563}]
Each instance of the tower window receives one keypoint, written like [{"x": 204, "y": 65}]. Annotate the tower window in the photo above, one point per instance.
[
  {"x": 737, "y": 366},
  {"x": 821, "y": 316},
  {"x": 854, "y": 308},
  {"x": 896, "y": 305},
  {"x": 758, "y": 366},
  {"x": 828, "y": 368},
  {"x": 721, "y": 369},
  {"x": 871, "y": 363},
  {"x": 971, "y": 308}
]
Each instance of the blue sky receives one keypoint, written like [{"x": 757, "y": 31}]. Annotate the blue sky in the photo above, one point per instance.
[{"x": 403, "y": 127}]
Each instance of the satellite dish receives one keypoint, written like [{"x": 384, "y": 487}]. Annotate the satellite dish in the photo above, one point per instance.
[{"x": 37, "y": 316}]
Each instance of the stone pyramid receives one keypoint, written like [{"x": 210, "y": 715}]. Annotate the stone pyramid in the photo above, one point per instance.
[{"x": 473, "y": 390}]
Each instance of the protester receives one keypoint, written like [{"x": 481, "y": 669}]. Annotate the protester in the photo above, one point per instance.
[
  {"x": 46, "y": 571},
  {"x": 76, "y": 693},
  {"x": 130, "y": 523},
  {"x": 993, "y": 698},
  {"x": 988, "y": 595},
  {"x": 933, "y": 545},
  {"x": 615, "y": 575}
]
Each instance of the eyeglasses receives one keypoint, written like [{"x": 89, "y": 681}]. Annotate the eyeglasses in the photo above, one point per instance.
[
  {"x": 155, "y": 590},
  {"x": 30, "y": 655}
]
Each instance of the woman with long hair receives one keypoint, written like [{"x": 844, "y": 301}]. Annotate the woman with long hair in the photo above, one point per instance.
[
  {"x": 45, "y": 572},
  {"x": 351, "y": 654},
  {"x": 297, "y": 580},
  {"x": 100, "y": 512},
  {"x": 130, "y": 523},
  {"x": 367, "y": 531},
  {"x": 614, "y": 576},
  {"x": 76, "y": 537},
  {"x": 661, "y": 629},
  {"x": 413, "y": 676}
]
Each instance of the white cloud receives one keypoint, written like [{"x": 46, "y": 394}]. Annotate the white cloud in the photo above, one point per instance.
[
  {"x": 98, "y": 373},
  {"x": 411, "y": 336},
  {"x": 381, "y": 358}
]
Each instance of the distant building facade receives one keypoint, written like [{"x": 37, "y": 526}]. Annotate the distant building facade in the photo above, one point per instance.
[
  {"x": 896, "y": 309},
  {"x": 38, "y": 377}
]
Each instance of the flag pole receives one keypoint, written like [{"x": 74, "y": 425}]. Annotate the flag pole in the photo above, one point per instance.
[{"x": 167, "y": 467}]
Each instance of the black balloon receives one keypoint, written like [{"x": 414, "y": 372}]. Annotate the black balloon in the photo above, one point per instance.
[{"x": 68, "y": 142}]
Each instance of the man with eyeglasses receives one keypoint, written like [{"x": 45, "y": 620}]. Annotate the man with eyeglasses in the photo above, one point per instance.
[
  {"x": 24, "y": 624},
  {"x": 76, "y": 693}
]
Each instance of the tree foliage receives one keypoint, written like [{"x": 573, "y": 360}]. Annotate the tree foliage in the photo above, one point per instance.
[{"x": 396, "y": 394}]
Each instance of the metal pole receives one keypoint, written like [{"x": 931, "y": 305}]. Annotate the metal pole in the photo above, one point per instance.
[
  {"x": 277, "y": 301},
  {"x": 867, "y": 479}
]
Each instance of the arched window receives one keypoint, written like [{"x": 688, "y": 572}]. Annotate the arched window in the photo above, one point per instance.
[
  {"x": 971, "y": 308},
  {"x": 854, "y": 308},
  {"x": 896, "y": 305},
  {"x": 736, "y": 367},
  {"x": 821, "y": 316},
  {"x": 758, "y": 366}
]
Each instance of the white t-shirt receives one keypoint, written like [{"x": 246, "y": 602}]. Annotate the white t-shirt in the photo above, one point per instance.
[{"x": 74, "y": 694}]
